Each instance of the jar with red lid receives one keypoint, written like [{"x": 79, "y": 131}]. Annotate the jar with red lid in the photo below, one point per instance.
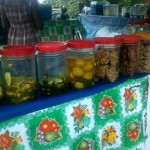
[
  {"x": 144, "y": 56},
  {"x": 19, "y": 73},
  {"x": 51, "y": 68},
  {"x": 80, "y": 62},
  {"x": 107, "y": 58},
  {"x": 129, "y": 54}
]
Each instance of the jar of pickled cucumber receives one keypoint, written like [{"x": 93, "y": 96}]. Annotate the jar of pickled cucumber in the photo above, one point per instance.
[
  {"x": 51, "y": 67},
  {"x": 107, "y": 51},
  {"x": 144, "y": 52},
  {"x": 129, "y": 54},
  {"x": 19, "y": 73},
  {"x": 81, "y": 63}
]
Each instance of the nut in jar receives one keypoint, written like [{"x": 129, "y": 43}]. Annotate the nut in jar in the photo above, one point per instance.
[{"x": 107, "y": 58}]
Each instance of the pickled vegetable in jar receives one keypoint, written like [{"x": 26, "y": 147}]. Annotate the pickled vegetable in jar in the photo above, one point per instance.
[
  {"x": 107, "y": 51},
  {"x": 1, "y": 86},
  {"x": 18, "y": 71},
  {"x": 80, "y": 63},
  {"x": 129, "y": 54},
  {"x": 144, "y": 55},
  {"x": 51, "y": 66}
]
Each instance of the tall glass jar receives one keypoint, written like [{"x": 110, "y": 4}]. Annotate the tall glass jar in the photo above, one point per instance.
[
  {"x": 107, "y": 58},
  {"x": 80, "y": 61},
  {"x": 129, "y": 54},
  {"x": 1, "y": 84},
  {"x": 51, "y": 67},
  {"x": 144, "y": 52},
  {"x": 18, "y": 71}
]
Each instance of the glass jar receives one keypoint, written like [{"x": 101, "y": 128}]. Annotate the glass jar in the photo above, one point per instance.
[
  {"x": 18, "y": 71},
  {"x": 107, "y": 58},
  {"x": 80, "y": 61},
  {"x": 129, "y": 54},
  {"x": 51, "y": 67},
  {"x": 145, "y": 52},
  {"x": 1, "y": 85}
]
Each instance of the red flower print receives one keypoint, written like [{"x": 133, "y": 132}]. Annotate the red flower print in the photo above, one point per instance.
[
  {"x": 5, "y": 141},
  {"x": 77, "y": 112}
]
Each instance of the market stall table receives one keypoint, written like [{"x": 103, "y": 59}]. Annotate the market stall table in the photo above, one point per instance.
[{"x": 110, "y": 115}]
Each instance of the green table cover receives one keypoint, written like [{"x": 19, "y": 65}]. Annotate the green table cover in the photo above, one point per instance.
[
  {"x": 60, "y": 30},
  {"x": 115, "y": 119}
]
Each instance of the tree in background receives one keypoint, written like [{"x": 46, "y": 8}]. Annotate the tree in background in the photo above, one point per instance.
[{"x": 73, "y": 5}]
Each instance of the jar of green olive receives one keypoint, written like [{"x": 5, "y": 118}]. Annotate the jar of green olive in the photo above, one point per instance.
[
  {"x": 81, "y": 63},
  {"x": 51, "y": 68},
  {"x": 19, "y": 73},
  {"x": 107, "y": 51}
]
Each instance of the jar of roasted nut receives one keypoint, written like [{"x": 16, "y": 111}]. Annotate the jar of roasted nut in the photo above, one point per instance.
[
  {"x": 18, "y": 71},
  {"x": 129, "y": 54},
  {"x": 107, "y": 58},
  {"x": 144, "y": 52},
  {"x": 80, "y": 61},
  {"x": 51, "y": 67}
]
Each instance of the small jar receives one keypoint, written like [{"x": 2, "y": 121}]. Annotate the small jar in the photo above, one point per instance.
[
  {"x": 51, "y": 67},
  {"x": 129, "y": 54},
  {"x": 107, "y": 58},
  {"x": 18, "y": 71},
  {"x": 144, "y": 52},
  {"x": 80, "y": 62}
]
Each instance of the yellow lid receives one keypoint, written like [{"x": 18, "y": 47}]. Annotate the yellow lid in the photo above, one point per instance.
[{"x": 144, "y": 35}]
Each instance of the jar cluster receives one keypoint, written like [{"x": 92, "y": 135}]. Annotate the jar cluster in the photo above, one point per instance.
[{"x": 53, "y": 68}]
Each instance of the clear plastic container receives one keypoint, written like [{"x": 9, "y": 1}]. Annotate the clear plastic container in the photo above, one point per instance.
[
  {"x": 110, "y": 10},
  {"x": 51, "y": 68},
  {"x": 129, "y": 54},
  {"x": 145, "y": 52},
  {"x": 135, "y": 26},
  {"x": 107, "y": 58},
  {"x": 19, "y": 73},
  {"x": 81, "y": 63}
]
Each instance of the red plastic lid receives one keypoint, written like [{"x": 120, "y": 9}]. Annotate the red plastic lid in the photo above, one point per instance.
[
  {"x": 81, "y": 44},
  {"x": 136, "y": 22},
  {"x": 53, "y": 46},
  {"x": 20, "y": 50},
  {"x": 147, "y": 21},
  {"x": 129, "y": 38},
  {"x": 107, "y": 40}
]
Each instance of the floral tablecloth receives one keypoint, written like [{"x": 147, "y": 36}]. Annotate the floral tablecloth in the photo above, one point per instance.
[{"x": 115, "y": 119}]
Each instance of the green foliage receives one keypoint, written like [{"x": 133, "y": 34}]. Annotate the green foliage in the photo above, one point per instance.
[{"x": 73, "y": 5}]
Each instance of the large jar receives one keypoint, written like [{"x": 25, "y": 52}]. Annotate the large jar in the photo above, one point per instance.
[
  {"x": 129, "y": 54},
  {"x": 80, "y": 61},
  {"x": 1, "y": 85},
  {"x": 144, "y": 52},
  {"x": 18, "y": 71},
  {"x": 51, "y": 67},
  {"x": 107, "y": 58}
]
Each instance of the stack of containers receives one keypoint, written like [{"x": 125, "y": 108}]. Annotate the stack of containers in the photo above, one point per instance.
[
  {"x": 107, "y": 51},
  {"x": 145, "y": 52},
  {"x": 18, "y": 71},
  {"x": 129, "y": 54},
  {"x": 51, "y": 68},
  {"x": 81, "y": 63}
]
